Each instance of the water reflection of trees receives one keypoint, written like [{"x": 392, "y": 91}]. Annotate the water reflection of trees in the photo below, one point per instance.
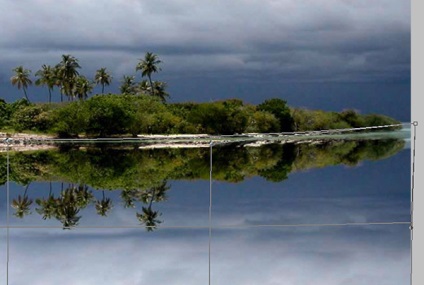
[
  {"x": 130, "y": 168},
  {"x": 142, "y": 175},
  {"x": 66, "y": 207}
]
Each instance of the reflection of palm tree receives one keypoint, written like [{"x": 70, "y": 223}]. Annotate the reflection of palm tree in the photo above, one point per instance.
[
  {"x": 128, "y": 197},
  {"x": 67, "y": 215},
  {"x": 48, "y": 207},
  {"x": 104, "y": 205},
  {"x": 83, "y": 196},
  {"x": 70, "y": 202},
  {"x": 148, "y": 217},
  {"x": 22, "y": 205}
]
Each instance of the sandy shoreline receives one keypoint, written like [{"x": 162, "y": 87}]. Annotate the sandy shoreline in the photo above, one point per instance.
[{"x": 28, "y": 142}]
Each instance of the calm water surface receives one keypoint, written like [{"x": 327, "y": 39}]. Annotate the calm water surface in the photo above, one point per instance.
[{"x": 136, "y": 216}]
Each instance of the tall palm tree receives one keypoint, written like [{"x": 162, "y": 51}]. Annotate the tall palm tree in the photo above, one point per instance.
[
  {"x": 149, "y": 65},
  {"x": 22, "y": 204},
  {"x": 103, "y": 206},
  {"x": 21, "y": 79},
  {"x": 82, "y": 87},
  {"x": 58, "y": 80},
  {"x": 68, "y": 73},
  {"x": 103, "y": 77},
  {"x": 46, "y": 78},
  {"x": 127, "y": 85}
]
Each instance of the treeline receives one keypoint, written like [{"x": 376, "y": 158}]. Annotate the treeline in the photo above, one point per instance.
[
  {"x": 141, "y": 108},
  {"x": 124, "y": 114},
  {"x": 129, "y": 169}
]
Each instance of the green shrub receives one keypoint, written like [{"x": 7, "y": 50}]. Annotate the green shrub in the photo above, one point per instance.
[
  {"x": 281, "y": 111},
  {"x": 32, "y": 118},
  {"x": 70, "y": 119}
]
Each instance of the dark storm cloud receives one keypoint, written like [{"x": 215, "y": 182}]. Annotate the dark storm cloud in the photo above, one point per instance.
[{"x": 325, "y": 40}]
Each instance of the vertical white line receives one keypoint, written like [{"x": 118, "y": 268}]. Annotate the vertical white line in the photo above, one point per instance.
[
  {"x": 210, "y": 209},
  {"x": 415, "y": 124},
  {"x": 7, "y": 211}
]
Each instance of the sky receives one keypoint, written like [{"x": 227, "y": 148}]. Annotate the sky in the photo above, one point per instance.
[{"x": 322, "y": 54}]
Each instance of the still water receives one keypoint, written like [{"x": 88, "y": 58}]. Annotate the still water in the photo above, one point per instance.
[{"x": 314, "y": 213}]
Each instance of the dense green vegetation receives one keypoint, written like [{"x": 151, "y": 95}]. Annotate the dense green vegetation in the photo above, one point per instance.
[
  {"x": 109, "y": 115},
  {"x": 142, "y": 108}
]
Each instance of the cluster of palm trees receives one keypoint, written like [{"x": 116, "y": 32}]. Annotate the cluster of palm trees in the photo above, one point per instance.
[
  {"x": 65, "y": 76},
  {"x": 66, "y": 207}
]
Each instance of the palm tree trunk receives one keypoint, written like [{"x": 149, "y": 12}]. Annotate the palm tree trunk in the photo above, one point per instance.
[
  {"x": 151, "y": 85},
  {"x": 103, "y": 88},
  {"x": 26, "y": 189},
  {"x": 151, "y": 199},
  {"x": 25, "y": 94},
  {"x": 50, "y": 95}
]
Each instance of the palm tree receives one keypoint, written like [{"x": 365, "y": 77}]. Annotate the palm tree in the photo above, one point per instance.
[
  {"x": 143, "y": 87},
  {"x": 159, "y": 90},
  {"x": 46, "y": 77},
  {"x": 127, "y": 85},
  {"x": 58, "y": 80},
  {"x": 149, "y": 65},
  {"x": 67, "y": 69},
  {"x": 22, "y": 204},
  {"x": 82, "y": 87},
  {"x": 103, "y": 77},
  {"x": 104, "y": 205},
  {"x": 21, "y": 79}
]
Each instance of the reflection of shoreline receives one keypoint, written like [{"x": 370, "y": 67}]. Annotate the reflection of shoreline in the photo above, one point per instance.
[{"x": 23, "y": 142}]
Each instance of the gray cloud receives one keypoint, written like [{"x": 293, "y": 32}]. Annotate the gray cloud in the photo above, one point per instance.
[{"x": 328, "y": 40}]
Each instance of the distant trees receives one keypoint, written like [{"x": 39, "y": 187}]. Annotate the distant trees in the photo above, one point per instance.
[
  {"x": 66, "y": 76},
  {"x": 46, "y": 77},
  {"x": 147, "y": 66},
  {"x": 21, "y": 79},
  {"x": 67, "y": 73},
  {"x": 103, "y": 78},
  {"x": 128, "y": 85}
]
